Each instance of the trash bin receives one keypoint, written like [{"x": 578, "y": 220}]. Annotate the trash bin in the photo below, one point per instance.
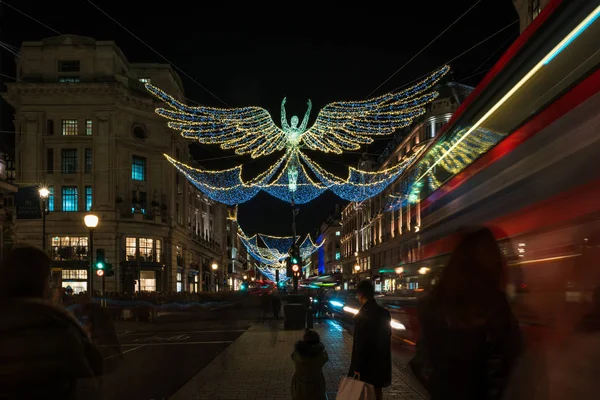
[{"x": 294, "y": 317}]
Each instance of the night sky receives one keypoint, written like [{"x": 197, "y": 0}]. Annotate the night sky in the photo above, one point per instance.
[{"x": 298, "y": 51}]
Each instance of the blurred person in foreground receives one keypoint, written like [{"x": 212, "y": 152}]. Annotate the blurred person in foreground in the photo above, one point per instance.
[
  {"x": 44, "y": 351},
  {"x": 572, "y": 364},
  {"x": 309, "y": 356},
  {"x": 470, "y": 338},
  {"x": 372, "y": 347}
]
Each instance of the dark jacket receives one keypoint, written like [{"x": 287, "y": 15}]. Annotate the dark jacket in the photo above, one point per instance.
[
  {"x": 470, "y": 362},
  {"x": 308, "y": 382},
  {"x": 371, "y": 349},
  {"x": 43, "y": 351}
]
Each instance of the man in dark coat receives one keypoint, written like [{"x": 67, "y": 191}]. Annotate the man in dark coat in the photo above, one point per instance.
[
  {"x": 372, "y": 348},
  {"x": 44, "y": 352}
]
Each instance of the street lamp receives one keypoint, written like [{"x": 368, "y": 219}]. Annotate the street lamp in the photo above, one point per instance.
[
  {"x": 214, "y": 267},
  {"x": 44, "y": 193},
  {"x": 91, "y": 222},
  {"x": 357, "y": 268}
]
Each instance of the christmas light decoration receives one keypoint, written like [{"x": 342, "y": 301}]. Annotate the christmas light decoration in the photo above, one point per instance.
[
  {"x": 457, "y": 156},
  {"x": 339, "y": 127},
  {"x": 276, "y": 248}
]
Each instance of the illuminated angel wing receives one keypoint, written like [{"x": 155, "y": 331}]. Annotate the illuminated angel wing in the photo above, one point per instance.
[
  {"x": 247, "y": 130},
  {"x": 343, "y": 126}
]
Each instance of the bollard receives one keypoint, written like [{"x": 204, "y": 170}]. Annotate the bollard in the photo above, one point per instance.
[{"x": 309, "y": 318}]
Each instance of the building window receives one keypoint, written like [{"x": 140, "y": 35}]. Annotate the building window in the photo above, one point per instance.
[
  {"x": 69, "y": 198},
  {"x": 438, "y": 126},
  {"x": 89, "y": 125},
  {"x": 68, "y": 66},
  {"x": 88, "y": 198},
  {"x": 138, "y": 168},
  {"x": 69, "y": 127},
  {"x": 338, "y": 255},
  {"x": 50, "y": 198},
  {"x": 145, "y": 80},
  {"x": 337, "y": 233},
  {"x": 536, "y": 9},
  {"x": 147, "y": 251},
  {"x": 68, "y": 79},
  {"x": 69, "y": 248},
  {"x": 179, "y": 285},
  {"x": 50, "y": 127},
  {"x": 429, "y": 133},
  {"x": 50, "y": 161},
  {"x": 141, "y": 199},
  {"x": 88, "y": 161},
  {"x": 69, "y": 161}
]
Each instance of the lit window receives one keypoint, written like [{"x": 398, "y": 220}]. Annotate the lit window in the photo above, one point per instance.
[
  {"x": 69, "y": 161},
  {"x": 69, "y": 198},
  {"x": 145, "y": 80},
  {"x": 68, "y": 79},
  {"x": 337, "y": 233},
  {"x": 69, "y": 127},
  {"x": 138, "y": 168},
  {"x": 50, "y": 198},
  {"x": 67, "y": 248},
  {"x": 338, "y": 255},
  {"x": 88, "y": 198},
  {"x": 89, "y": 125},
  {"x": 536, "y": 8}
]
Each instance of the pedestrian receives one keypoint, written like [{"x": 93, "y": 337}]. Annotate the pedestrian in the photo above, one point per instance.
[
  {"x": 309, "y": 356},
  {"x": 470, "y": 338},
  {"x": 103, "y": 333},
  {"x": 372, "y": 346},
  {"x": 45, "y": 352},
  {"x": 276, "y": 304}
]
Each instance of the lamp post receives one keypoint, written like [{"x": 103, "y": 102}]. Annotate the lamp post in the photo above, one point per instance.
[
  {"x": 44, "y": 193},
  {"x": 357, "y": 269},
  {"x": 214, "y": 271},
  {"x": 91, "y": 222}
]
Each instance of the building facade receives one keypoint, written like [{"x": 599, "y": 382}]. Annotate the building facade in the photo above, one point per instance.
[
  {"x": 374, "y": 237},
  {"x": 86, "y": 129},
  {"x": 528, "y": 10},
  {"x": 328, "y": 258}
]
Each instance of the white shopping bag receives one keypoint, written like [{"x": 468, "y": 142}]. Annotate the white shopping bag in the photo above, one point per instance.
[{"x": 353, "y": 389}]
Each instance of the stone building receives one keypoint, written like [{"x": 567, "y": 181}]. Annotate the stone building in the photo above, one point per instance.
[
  {"x": 371, "y": 233},
  {"x": 528, "y": 10},
  {"x": 86, "y": 129}
]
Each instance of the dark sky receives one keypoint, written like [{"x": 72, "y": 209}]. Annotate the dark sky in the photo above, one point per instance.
[{"x": 300, "y": 50}]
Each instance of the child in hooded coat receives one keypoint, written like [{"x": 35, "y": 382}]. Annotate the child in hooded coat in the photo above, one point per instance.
[{"x": 309, "y": 356}]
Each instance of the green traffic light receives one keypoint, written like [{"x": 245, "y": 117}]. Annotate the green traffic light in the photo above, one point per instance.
[
  {"x": 100, "y": 265},
  {"x": 294, "y": 260}
]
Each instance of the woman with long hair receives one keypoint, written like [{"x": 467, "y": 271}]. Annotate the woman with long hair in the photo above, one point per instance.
[{"x": 470, "y": 338}]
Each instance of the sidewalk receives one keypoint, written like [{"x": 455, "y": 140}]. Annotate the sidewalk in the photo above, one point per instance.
[{"x": 258, "y": 366}]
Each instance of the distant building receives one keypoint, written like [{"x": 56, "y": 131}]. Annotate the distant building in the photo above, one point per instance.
[
  {"x": 87, "y": 130},
  {"x": 528, "y": 10},
  {"x": 328, "y": 258},
  {"x": 370, "y": 232},
  {"x": 7, "y": 190}
]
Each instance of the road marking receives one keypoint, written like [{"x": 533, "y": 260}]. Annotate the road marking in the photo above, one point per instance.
[
  {"x": 180, "y": 333},
  {"x": 123, "y": 352},
  {"x": 175, "y": 338},
  {"x": 176, "y": 343}
]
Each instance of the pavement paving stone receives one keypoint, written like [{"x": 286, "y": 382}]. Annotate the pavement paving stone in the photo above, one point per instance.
[{"x": 258, "y": 366}]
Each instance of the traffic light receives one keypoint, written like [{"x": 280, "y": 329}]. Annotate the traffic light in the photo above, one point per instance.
[
  {"x": 109, "y": 271},
  {"x": 296, "y": 261},
  {"x": 100, "y": 262}
]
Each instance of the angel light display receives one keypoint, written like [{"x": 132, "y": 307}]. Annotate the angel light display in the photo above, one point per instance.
[{"x": 339, "y": 127}]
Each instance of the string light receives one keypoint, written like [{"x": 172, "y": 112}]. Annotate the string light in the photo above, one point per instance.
[
  {"x": 276, "y": 248},
  {"x": 458, "y": 157},
  {"x": 339, "y": 127}
]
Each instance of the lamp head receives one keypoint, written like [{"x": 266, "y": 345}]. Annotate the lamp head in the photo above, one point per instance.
[{"x": 91, "y": 221}]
